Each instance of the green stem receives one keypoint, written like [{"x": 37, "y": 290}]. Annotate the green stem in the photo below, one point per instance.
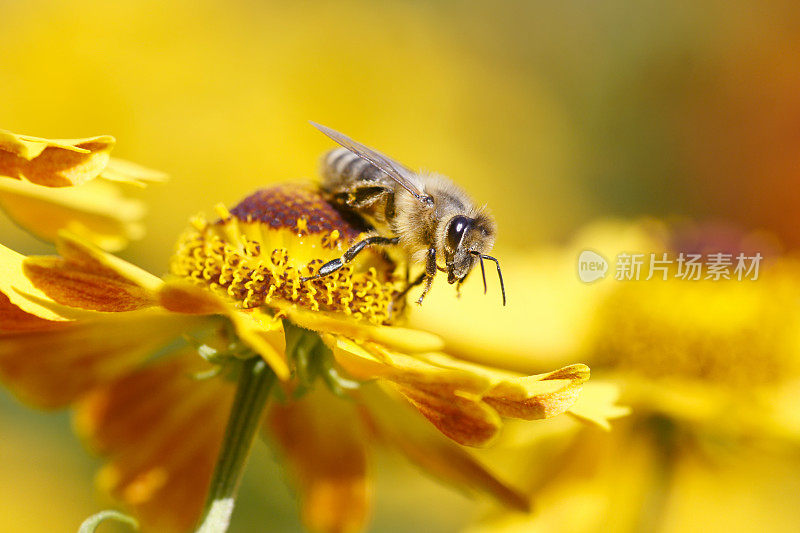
[{"x": 252, "y": 392}]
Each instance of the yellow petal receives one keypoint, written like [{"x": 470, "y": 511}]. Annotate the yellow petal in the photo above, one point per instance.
[
  {"x": 95, "y": 210},
  {"x": 53, "y": 163},
  {"x": 400, "y": 426},
  {"x": 403, "y": 339},
  {"x": 128, "y": 172},
  {"x": 369, "y": 362},
  {"x": 321, "y": 437},
  {"x": 597, "y": 404},
  {"x": 88, "y": 278},
  {"x": 161, "y": 430},
  {"x": 51, "y": 368}
]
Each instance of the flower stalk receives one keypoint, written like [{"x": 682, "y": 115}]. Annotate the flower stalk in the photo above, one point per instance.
[{"x": 255, "y": 381}]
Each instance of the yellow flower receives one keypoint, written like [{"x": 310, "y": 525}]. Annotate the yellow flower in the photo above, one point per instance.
[
  {"x": 89, "y": 330},
  {"x": 47, "y": 185},
  {"x": 711, "y": 370}
]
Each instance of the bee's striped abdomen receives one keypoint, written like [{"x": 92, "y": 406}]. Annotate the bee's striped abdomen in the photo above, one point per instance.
[{"x": 343, "y": 167}]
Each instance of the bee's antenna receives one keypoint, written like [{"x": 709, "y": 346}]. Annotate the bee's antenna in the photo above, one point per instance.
[
  {"x": 499, "y": 273},
  {"x": 483, "y": 274}
]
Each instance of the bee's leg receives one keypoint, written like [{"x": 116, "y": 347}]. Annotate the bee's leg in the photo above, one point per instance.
[
  {"x": 409, "y": 286},
  {"x": 364, "y": 196},
  {"x": 332, "y": 266},
  {"x": 430, "y": 272},
  {"x": 360, "y": 195}
]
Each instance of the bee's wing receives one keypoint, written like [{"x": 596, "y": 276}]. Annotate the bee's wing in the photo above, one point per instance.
[{"x": 391, "y": 168}]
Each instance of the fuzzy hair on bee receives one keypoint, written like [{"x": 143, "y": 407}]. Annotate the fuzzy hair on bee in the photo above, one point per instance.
[{"x": 424, "y": 213}]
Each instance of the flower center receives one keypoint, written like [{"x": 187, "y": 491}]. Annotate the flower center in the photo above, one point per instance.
[{"x": 257, "y": 253}]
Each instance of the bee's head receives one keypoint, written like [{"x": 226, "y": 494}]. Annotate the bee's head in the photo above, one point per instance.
[{"x": 467, "y": 240}]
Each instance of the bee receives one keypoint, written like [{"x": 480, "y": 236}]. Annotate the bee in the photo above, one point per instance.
[{"x": 424, "y": 213}]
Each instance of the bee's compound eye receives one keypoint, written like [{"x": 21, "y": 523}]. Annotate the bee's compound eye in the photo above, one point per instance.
[{"x": 456, "y": 229}]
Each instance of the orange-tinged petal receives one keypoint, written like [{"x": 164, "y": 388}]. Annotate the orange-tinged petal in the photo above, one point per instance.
[
  {"x": 53, "y": 163},
  {"x": 95, "y": 210},
  {"x": 400, "y": 426},
  {"x": 68, "y": 285},
  {"x": 539, "y": 396},
  {"x": 183, "y": 297},
  {"x": 78, "y": 251},
  {"x": 161, "y": 430},
  {"x": 528, "y": 397},
  {"x": 463, "y": 400},
  {"x": 89, "y": 278},
  {"x": 12, "y": 318},
  {"x": 22, "y": 295},
  {"x": 449, "y": 398},
  {"x": 322, "y": 438},
  {"x": 462, "y": 417},
  {"x": 51, "y": 368}
]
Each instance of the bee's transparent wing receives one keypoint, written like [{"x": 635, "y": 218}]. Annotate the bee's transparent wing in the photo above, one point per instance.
[{"x": 391, "y": 168}]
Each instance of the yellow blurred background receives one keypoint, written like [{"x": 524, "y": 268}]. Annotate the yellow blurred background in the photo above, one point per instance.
[{"x": 553, "y": 113}]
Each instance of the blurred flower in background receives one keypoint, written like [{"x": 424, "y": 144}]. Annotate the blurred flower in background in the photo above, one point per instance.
[
  {"x": 48, "y": 185},
  {"x": 710, "y": 369},
  {"x": 554, "y": 114}
]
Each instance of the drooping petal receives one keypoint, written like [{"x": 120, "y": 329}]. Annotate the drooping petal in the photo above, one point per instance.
[
  {"x": 89, "y": 278},
  {"x": 450, "y": 399},
  {"x": 462, "y": 417},
  {"x": 51, "y": 368},
  {"x": 53, "y": 163},
  {"x": 264, "y": 334},
  {"x": 321, "y": 437},
  {"x": 94, "y": 210},
  {"x": 161, "y": 430},
  {"x": 398, "y": 425},
  {"x": 461, "y": 399}
]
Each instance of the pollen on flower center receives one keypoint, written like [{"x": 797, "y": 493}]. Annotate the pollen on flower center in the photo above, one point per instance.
[{"x": 257, "y": 253}]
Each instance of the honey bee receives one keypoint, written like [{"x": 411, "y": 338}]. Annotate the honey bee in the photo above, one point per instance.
[{"x": 426, "y": 214}]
